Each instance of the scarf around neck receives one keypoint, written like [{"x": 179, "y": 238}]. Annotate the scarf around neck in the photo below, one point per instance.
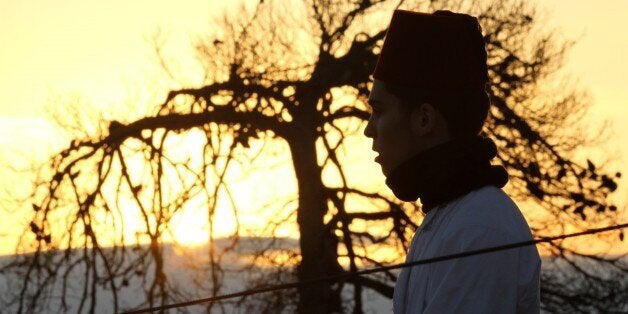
[{"x": 447, "y": 171}]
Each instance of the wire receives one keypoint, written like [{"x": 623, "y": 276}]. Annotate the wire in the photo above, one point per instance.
[{"x": 374, "y": 270}]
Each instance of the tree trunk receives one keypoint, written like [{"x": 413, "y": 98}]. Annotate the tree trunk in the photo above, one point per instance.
[{"x": 318, "y": 244}]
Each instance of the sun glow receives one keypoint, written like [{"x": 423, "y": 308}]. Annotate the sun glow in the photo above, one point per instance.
[
  {"x": 189, "y": 229},
  {"x": 190, "y": 226}
]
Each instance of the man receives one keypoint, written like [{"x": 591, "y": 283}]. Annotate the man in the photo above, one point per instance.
[{"x": 429, "y": 104}]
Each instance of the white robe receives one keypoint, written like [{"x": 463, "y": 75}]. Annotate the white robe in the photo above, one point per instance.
[{"x": 499, "y": 282}]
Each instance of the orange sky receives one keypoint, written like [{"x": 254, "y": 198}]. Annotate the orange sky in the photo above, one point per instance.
[{"x": 97, "y": 49}]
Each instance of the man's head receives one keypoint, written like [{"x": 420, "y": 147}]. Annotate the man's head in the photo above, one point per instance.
[
  {"x": 400, "y": 129},
  {"x": 429, "y": 85}
]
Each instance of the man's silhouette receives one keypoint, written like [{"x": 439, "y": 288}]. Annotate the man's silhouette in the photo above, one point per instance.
[{"x": 429, "y": 104}]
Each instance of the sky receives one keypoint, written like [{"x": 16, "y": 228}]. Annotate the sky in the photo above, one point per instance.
[{"x": 98, "y": 50}]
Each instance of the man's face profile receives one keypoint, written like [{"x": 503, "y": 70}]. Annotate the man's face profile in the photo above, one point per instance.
[{"x": 389, "y": 127}]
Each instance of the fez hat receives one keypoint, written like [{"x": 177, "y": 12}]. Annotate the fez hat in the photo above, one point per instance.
[{"x": 436, "y": 53}]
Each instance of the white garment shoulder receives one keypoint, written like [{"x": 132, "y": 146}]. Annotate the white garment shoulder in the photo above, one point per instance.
[
  {"x": 488, "y": 208},
  {"x": 499, "y": 282}
]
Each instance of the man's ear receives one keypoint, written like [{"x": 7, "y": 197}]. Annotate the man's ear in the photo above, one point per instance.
[{"x": 423, "y": 119}]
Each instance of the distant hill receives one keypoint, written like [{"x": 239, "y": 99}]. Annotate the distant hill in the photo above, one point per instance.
[
  {"x": 184, "y": 268},
  {"x": 187, "y": 271}
]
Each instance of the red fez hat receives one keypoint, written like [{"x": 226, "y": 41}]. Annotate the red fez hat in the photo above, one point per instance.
[{"x": 438, "y": 52}]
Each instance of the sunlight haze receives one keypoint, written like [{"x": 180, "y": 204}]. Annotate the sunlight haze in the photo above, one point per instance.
[{"x": 100, "y": 51}]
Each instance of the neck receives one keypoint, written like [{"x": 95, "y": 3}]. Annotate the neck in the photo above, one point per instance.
[{"x": 447, "y": 171}]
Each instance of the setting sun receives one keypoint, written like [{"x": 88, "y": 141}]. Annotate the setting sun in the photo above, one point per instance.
[{"x": 189, "y": 228}]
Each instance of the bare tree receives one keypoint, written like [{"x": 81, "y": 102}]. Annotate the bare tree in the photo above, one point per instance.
[{"x": 298, "y": 73}]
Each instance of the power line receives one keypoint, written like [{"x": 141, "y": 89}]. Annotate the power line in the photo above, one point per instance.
[{"x": 375, "y": 270}]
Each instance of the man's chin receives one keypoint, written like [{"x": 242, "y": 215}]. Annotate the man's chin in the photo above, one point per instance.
[{"x": 384, "y": 171}]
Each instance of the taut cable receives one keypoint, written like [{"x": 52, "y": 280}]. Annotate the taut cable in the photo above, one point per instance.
[{"x": 375, "y": 270}]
